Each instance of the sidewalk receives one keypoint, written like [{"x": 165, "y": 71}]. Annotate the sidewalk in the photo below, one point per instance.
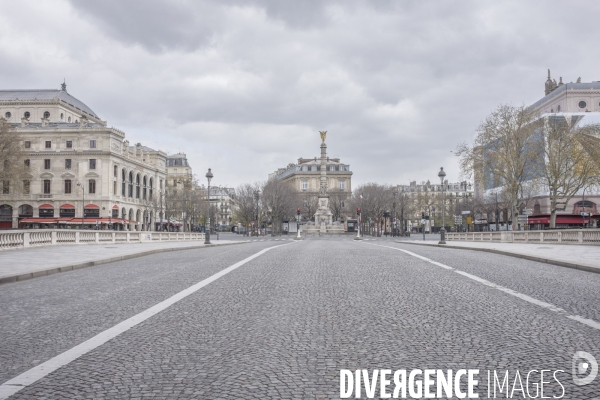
[
  {"x": 583, "y": 257},
  {"x": 21, "y": 264}
]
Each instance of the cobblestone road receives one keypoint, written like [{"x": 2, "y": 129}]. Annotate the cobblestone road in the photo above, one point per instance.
[{"x": 282, "y": 325}]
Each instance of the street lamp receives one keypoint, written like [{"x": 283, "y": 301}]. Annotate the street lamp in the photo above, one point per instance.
[
  {"x": 394, "y": 214},
  {"x": 442, "y": 175},
  {"x": 256, "y": 197},
  {"x": 298, "y": 237},
  {"x": 83, "y": 202},
  {"x": 209, "y": 175}
]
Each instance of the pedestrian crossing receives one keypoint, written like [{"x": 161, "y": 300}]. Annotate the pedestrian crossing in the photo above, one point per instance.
[{"x": 334, "y": 238}]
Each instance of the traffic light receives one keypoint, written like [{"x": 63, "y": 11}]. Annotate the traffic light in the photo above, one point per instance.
[
  {"x": 298, "y": 210},
  {"x": 422, "y": 214},
  {"x": 358, "y": 211}
]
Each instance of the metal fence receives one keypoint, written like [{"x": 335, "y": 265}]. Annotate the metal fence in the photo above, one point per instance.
[
  {"x": 14, "y": 239},
  {"x": 571, "y": 236}
]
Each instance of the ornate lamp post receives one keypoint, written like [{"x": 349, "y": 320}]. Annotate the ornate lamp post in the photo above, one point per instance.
[
  {"x": 442, "y": 175},
  {"x": 209, "y": 175},
  {"x": 394, "y": 214},
  {"x": 298, "y": 237},
  {"x": 256, "y": 197}
]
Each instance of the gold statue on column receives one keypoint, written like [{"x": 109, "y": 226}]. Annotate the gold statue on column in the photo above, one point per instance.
[{"x": 323, "y": 134}]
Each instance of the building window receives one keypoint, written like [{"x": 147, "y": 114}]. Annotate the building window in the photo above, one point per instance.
[
  {"x": 68, "y": 163},
  {"x": 144, "y": 188},
  {"x": 27, "y": 114},
  {"x": 67, "y": 186},
  {"x": 62, "y": 116},
  {"x": 26, "y": 187},
  {"x": 137, "y": 186},
  {"x": 92, "y": 144},
  {"x": 69, "y": 119},
  {"x": 46, "y": 186},
  {"x": 47, "y": 163},
  {"x": 27, "y": 163},
  {"x": 151, "y": 187},
  {"x": 114, "y": 187},
  {"x": 558, "y": 108},
  {"x": 48, "y": 144},
  {"x": 92, "y": 186},
  {"x": 304, "y": 185},
  {"x": 342, "y": 185},
  {"x": 582, "y": 104},
  {"x": 92, "y": 163},
  {"x": 5, "y": 187},
  {"x": 130, "y": 192},
  {"x": 27, "y": 144},
  {"x": 123, "y": 182},
  {"x": 7, "y": 114},
  {"x": 46, "y": 114},
  {"x": 115, "y": 171},
  {"x": 69, "y": 144}
]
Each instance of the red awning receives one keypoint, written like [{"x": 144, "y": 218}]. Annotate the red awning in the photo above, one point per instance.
[
  {"x": 38, "y": 220},
  {"x": 115, "y": 207},
  {"x": 71, "y": 206},
  {"x": 91, "y": 206},
  {"x": 46, "y": 206},
  {"x": 560, "y": 219}
]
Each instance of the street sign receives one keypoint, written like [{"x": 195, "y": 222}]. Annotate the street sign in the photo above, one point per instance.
[
  {"x": 586, "y": 214},
  {"x": 465, "y": 212},
  {"x": 469, "y": 220},
  {"x": 527, "y": 211},
  {"x": 522, "y": 218}
]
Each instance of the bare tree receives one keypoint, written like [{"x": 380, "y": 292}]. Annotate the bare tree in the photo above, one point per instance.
[
  {"x": 310, "y": 204},
  {"x": 337, "y": 203},
  {"x": 247, "y": 207},
  {"x": 570, "y": 154},
  {"x": 13, "y": 164},
  {"x": 279, "y": 201},
  {"x": 504, "y": 152}
]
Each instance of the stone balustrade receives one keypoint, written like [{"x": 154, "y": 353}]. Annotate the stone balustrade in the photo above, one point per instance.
[
  {"x": 565, "y": 236},
  {"x": 23, "y": 238}
]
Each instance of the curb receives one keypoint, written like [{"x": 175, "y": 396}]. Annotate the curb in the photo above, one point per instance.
[
  {"x": 586, "y": 268},
  {"x": 73, "y": 267}
]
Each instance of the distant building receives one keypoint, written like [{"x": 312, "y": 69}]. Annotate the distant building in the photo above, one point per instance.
[
  {"x": 304, "y": 177},
  {"x": 579, "y": 103},
  {"x": 82, "y": 173}
]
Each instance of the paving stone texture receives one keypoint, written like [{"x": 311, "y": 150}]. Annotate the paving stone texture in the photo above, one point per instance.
[{"x": 284, "y": 324}]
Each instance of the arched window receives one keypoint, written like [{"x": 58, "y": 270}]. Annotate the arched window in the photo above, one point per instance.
[
  {"x": 137, "y": 186},
  {"x": 92, "y": 186},
  {"x": 144, "y": 189},
  {"x": 150, "y": 190},
  {"x": 115, "y": 171},
  {"x": 123, "y": 182},
  {"x": 130, "y": 184}
]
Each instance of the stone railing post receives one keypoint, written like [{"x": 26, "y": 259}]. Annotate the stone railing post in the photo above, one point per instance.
[
  {"x": 128, "y": 239},
  {"x": 559, "y": 237},
  {"x": 53, "y": 237},
  {"x": 114, "y": 237},
  {"x": 26, "y": 239},
  {"x": 541, "y": 237},
  {"x": 580, "y": 236},
  {"x": 97, "y": 235},
  {"x": 77, "y": 237}
]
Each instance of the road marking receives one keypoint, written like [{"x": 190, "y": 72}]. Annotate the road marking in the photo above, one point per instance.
[
  {"x": 38, "y": 372},
  {"x": 529, "y": 299}
]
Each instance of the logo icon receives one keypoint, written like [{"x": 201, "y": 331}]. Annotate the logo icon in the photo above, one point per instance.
[{"x": 581, "y": 367}]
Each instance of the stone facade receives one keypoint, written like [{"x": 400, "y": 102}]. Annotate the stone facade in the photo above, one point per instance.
[{"x": 76, "y": 161}]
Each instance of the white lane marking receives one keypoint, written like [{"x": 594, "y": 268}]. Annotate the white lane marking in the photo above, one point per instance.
[
  {"x": 529, "y": 299},
  {"x": 29, "y": 377}
]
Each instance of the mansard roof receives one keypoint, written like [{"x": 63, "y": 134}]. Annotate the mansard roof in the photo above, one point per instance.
[{"x": 45, "y": 94}]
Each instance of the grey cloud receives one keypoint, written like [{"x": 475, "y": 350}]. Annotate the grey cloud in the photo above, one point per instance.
[{"x": 398, "y": 84}]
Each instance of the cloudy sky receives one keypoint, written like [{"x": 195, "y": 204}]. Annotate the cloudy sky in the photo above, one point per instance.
[{"x": 243, "y": 87}]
